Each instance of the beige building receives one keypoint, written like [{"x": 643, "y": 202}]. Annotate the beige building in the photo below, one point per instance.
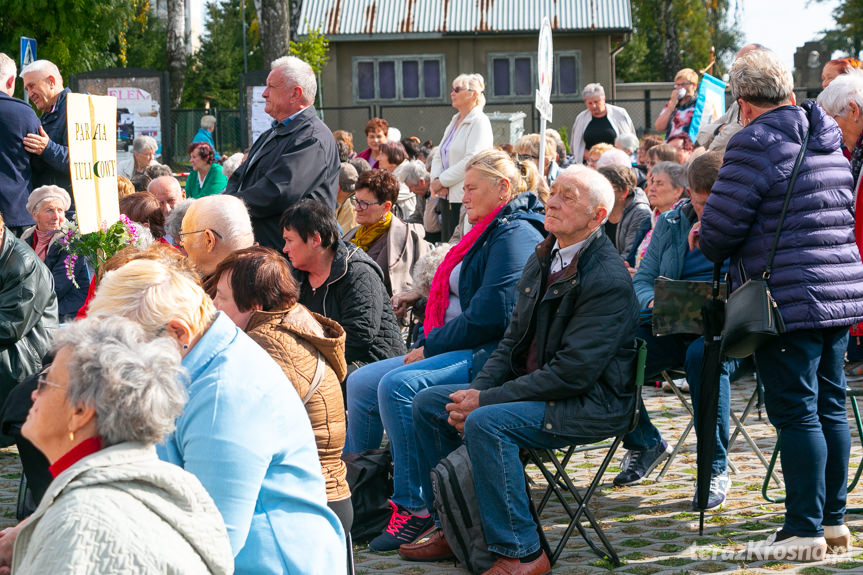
[{"x": 397, "y": 58}]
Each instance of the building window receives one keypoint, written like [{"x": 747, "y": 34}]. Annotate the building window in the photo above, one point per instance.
[
  {"x": 393, "y": 78},
  {"x": 512, "y": 76}
]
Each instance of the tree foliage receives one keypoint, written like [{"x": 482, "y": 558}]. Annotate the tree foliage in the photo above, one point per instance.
[
  {"x": 674, "y": 34},
  {"x": 143, "y": 42},
  {"x": 313, "y": 49},
  {"x": 76, "y": 35},
  {"x": 847, "y": 36},
  {"x": 213, "y": 73}
]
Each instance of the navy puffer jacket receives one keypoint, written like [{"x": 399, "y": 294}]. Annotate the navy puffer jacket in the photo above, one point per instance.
[{"x": 817, "y": 278}]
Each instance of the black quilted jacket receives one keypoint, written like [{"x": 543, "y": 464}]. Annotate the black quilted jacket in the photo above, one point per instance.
[
  {"x": 28, "y": 312},
  {"x": 355, "y": 297}
]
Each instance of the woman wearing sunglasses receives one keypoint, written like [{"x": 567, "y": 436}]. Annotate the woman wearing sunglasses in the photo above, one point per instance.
[
  {"x": 468, "y": 132},
  {"x": 393, "y": 244}
]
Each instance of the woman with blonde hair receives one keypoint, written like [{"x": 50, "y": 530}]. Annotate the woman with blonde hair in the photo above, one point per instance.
[
  {"x": 468, "y": 308},
  {"x": 527, "y": 149},
  {"x": 244, "y": 432},
  {"x": 677, "y": 113},
  {"x": 468, "y": 132}
]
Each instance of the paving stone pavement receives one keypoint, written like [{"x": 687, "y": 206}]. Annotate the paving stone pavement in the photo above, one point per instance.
[{"x": 652, "y": 525}]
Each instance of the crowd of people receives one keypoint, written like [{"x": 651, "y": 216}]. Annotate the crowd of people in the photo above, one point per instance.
[{"x": 190, "y": 402}]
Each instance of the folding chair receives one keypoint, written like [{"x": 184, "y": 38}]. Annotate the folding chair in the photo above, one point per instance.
[
  {"x": 739, "y": 422},
  {"x": 668, "y": 376},
  {"x": 560, "y": 484},
  {"x": 756, "y": 400},
  {"x": 851, "y": 394}
]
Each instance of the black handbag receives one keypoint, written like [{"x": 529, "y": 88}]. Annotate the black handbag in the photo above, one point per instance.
[{"x": 752, "y": 317}]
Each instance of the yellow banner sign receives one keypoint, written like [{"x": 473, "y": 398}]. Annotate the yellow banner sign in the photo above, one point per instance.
[{"x": 92, "y": 131}]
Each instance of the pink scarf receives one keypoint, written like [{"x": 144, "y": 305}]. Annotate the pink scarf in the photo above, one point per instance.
[{"x": 439, "y": 293}]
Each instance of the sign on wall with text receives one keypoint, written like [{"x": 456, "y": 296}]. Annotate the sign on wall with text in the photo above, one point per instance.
[{"x": 92, "y": 129}]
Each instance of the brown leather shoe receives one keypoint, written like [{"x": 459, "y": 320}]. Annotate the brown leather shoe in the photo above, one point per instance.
[
  {"x": 435, "y": 548},
  {"x": 510, "y": 566}
]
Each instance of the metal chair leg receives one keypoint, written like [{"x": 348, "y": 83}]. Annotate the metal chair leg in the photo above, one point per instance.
[
  {"x": 560, "y": 485},
  {"x": 686, "y": 431}
]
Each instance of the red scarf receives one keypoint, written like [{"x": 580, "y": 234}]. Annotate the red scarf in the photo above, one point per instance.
[{"x": 439, "y": 293}]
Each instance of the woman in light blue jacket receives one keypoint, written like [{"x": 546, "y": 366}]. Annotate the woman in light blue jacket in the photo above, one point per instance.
[{"x": 244, "y": 432}]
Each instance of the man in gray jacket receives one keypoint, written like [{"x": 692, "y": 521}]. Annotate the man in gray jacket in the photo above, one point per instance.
[
  {"x": 297, "y": 158},
  {"x": 562, "y": 374}
]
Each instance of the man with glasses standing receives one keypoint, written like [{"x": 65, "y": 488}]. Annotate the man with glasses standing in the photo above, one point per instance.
[
  {"x": 297, "y": 158},
  {"x": 677, "y": 114}
]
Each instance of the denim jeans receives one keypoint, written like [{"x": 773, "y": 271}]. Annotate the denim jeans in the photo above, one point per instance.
[
  {"x": 494, "y": 434},
  {"x": 380, "y": 396},
  {"x": 674, "y": 351},
  {"x": 804, "y": 392}
]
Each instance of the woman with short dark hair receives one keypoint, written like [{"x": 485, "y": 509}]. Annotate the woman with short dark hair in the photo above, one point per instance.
[
  {"x": 376, "y": 134},
  {"x": 393, "y": 244},
  {"x": 256, "y": 290},
  {"x": 206, "y": 177},
  {"x": 340, "y": 281}
]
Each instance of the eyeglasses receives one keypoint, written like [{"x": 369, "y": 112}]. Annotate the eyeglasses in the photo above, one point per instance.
[
  {"x": 42, "y": 382},
  {"x": 458, "y": 89},
  {"x": 361, "y": 205},
  {"x": 182, "y": 235}
]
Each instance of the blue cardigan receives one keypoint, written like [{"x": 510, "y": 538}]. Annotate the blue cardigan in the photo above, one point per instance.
[
  {"x": 817, "y": 278},
  {"x": 245, "y": 435},
  {"x": 489, "y": 273}
]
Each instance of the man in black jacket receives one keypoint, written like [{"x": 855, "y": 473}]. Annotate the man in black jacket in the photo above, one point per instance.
[
  {"x": 563, "y": 373},
  {"x": 17, "y": 119},
  {"x": 296, "y": 158}
]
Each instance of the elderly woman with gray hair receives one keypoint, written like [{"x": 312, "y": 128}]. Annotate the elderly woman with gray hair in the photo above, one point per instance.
[
  {"x": 816, "y": 281},
  {"x": 143, "y": 154},
  {"x": 110, "y": 395},
  {"x": 600, "y": 123},
  {"x": 48, "y": 206}
]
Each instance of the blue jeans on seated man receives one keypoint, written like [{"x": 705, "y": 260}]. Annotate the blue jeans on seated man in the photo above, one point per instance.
[
  {"x": 804, "y": 392},
  {"x": 380, "y": 396},
  {"x": 493, "y": 434},
  {"x": 672, "y": 352}
]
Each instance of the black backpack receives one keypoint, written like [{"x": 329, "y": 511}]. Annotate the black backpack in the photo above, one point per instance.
[
  {"x": 370, "y": 477},
  {"x": 457, "y": 508}
]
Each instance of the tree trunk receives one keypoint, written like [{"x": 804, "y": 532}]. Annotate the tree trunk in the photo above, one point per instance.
[
  {"x": 176, "y": 49},
  {"x": 671, "y": 53},
  {"x": 275, "y": 29},
  {"x": 296, "y": 7}
]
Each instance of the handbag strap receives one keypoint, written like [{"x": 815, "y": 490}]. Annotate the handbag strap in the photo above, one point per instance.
[
  {"x": 769, "y": 267},
  {"x": 316, "y": 380}
]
